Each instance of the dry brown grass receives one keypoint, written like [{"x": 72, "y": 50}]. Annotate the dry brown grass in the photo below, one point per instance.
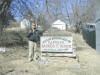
[{"x": 14, "y": 61}]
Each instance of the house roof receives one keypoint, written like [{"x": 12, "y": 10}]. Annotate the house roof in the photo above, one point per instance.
[{"x": 58, "y": 22}]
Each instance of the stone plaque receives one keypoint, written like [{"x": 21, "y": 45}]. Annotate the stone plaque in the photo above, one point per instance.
[
  {"x": 56, "y": 44},
  {"x": 2, "y": 49}
]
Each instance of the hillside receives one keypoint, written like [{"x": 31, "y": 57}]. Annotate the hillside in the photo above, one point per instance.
[{"x": 14, "y": 60}]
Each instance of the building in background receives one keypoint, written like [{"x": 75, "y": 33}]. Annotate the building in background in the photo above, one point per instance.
[
  {"x": 98, "y": 27},
  {"x": 25, "y": 24},
  {"x": 58, "y": 24},
  {"x": 88, "y": 31}
]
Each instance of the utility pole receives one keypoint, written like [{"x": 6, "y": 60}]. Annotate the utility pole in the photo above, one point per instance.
[{"x": 37, "y": 5}]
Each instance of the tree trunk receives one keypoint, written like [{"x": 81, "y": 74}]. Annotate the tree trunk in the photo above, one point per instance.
[{"x": 4, "y": 5}]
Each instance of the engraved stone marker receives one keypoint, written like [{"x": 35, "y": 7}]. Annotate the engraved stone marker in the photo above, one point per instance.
[
  {"x": 2, "y": 49},
  {"x": 57, "y": 46}
]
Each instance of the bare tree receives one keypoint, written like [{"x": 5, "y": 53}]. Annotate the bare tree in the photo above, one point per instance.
[
  {"x": 4, "y": 5},
  {"x": 83, "y": 11}
]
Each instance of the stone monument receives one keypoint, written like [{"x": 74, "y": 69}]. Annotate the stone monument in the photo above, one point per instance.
[{"x": 57, "y": 43}]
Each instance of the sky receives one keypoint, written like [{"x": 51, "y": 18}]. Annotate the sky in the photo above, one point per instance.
[{"x": 31, "y": 5}]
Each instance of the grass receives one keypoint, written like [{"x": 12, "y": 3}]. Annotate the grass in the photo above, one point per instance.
[{"x": 14, "y": 38}]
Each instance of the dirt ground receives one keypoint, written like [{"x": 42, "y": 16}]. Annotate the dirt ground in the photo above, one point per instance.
[{"x": 15, "y": 62}]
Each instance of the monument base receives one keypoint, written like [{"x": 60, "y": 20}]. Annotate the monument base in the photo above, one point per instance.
[
  {"x": 59, "y": 54},
  {"x": 58, "y": 44}
]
